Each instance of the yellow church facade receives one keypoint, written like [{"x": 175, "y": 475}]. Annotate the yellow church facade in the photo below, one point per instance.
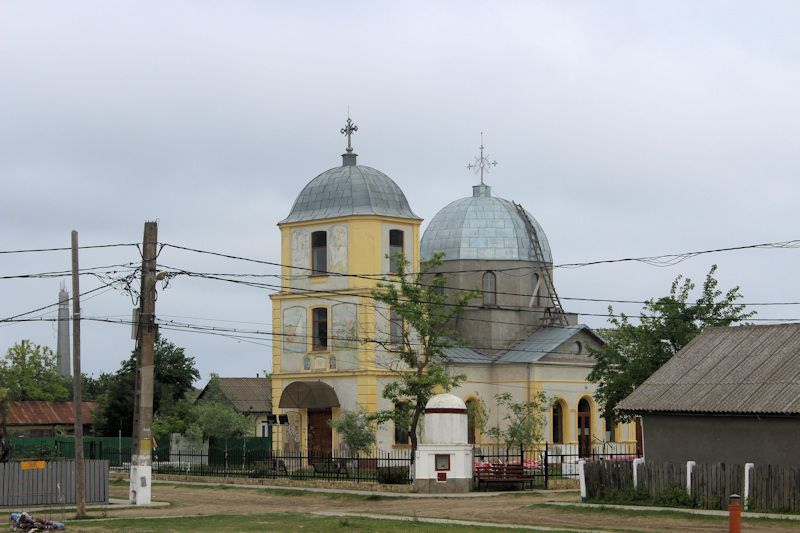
[{"x": 329, "y": 335}]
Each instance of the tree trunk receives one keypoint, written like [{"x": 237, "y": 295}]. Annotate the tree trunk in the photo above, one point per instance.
[{"x": 414, "y": 422}]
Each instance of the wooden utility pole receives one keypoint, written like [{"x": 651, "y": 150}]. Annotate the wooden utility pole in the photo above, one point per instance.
[
  {"x": 77, "y": 382},
  {"x": 141, "y": 460}
]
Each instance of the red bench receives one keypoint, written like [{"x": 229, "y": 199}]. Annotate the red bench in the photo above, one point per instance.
[{"x": 503, "y": 473}]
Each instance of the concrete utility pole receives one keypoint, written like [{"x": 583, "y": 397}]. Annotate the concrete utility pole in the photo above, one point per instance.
[
  {"x": 77, "y": 382},
  {"x": 141, "y": 460}
]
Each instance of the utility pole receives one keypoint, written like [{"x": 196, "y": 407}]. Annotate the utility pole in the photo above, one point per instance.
[
  {"x": 77, "y": 382},
  {"x": 141, "y": 460}
]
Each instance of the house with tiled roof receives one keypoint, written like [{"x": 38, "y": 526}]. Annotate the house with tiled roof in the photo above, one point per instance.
[
  {"x": 732, "y": 395},
  {"x": 46, "y": 419},
  {"x": 249, "y": 396}
]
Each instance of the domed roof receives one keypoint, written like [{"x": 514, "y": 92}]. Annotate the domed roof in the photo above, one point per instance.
[
  {"x": 349, "y": 190},
  {"x": 445, "y": 401},
  {"x": 482, "y": 227}
]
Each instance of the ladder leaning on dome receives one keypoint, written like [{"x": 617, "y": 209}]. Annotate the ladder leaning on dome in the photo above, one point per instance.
[{"x": 553, "y": 315}]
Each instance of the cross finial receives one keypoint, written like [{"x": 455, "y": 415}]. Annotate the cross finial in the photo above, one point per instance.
[
  {"x": 482, "y": 163},
  {"x": 348, "y": 130}
]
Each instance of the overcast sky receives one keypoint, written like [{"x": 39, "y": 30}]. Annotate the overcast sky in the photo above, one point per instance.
[{"x": 626, "y": 128}]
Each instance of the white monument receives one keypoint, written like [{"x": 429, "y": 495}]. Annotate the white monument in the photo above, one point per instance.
[{"x": 443, "y": 462}]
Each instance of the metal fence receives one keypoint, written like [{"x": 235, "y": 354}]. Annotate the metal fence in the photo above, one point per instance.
[
  {"x": 380, "y": 467},
  {"x": 549, "y": 462},
  {"x": 29, "y": 483}
]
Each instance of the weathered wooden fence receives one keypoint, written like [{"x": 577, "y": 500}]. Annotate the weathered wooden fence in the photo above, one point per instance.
[
  {"x": 775, "y": 488},
  {"x": 712, "y": 484},
  {"x": 28, "y": 485},
  {"x": 657, "y": 478},
  {"x": 604, "y": 476}
]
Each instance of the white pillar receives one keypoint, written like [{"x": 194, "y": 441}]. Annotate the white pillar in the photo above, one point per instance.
[
  {"x": 689, "y": 472},
  {"x": 748, "y": 468},
  {"x": 636, "y": 462},
  {"x": 582, "y": 477}
]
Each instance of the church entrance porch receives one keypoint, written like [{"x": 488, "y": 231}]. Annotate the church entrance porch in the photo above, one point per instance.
[{"x": 318, "y": 399}]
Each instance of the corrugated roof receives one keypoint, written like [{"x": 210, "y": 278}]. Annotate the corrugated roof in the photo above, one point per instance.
[
  {"x": 246, "y": 394},
  {"x": 541, "y": 342},
  {"x": 463, "y": 354},
  {"x": 40, "y": 412},
  {"x": 743, "y": 369}
]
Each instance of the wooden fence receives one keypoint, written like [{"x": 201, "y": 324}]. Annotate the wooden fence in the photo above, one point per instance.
[
  {"x": 771, "y": 487},
  {"x": 24, "y": 484}
]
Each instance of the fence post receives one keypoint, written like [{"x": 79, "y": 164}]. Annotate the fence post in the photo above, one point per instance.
[
  {"x": 748, "y": 468},
  {"x": 636, "y": 462},
  {"x": 546, "y": 467},
  {"x": 582, "y": 477},
  {"x": 689, "y": 472},
  {"x": 734, "y": 514}
]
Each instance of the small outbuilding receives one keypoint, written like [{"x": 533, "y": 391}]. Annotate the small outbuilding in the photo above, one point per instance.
[
  {"x": 46, "y": 419},
  {"x": 732, "y": 395}
]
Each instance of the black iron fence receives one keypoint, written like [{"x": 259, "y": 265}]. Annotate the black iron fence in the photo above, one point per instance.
[
  {"x": 379, "y": 467},
  {"x": 547, "y": 462}
]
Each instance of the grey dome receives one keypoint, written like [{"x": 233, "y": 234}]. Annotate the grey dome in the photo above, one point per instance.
[
  {"x": 482, "y": 227},
  {"x": 349, "y": 190}
]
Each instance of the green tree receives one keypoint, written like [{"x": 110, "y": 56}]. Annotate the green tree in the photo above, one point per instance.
[
  {"x": 30, "y": 372},
  {"x": 357, "y": 430},
  {"x": 419, "y": 299},
  {"x": 174, "y": 373},
  {"x": 218, "y": 420},
  {"x": 524, "y": 421},
  {"x": 634, "y": 351}
]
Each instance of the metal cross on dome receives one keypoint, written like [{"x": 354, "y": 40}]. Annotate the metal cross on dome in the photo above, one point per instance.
[
  {"x": 482, "y": 163},
  {"x": 349, "y": 129}
]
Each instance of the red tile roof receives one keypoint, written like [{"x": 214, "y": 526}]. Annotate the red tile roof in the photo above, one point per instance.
[{"x": 37, "y": 412}]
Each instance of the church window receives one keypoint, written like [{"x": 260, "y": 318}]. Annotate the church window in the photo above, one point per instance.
[
  {"x": 401, "y": 433},
  {"x": 319, "y": 252},
  {"x": 535, "y": 290},
  {"x": 558, "y": 423},
  {"x": 395, "y": 248},
  {"x": 438, "y": 286},
  {"x": 320, "y": 332},
  {"x": 489, "y": 289},
  {"x": 395, "y": 328},
  {"x": 610, "y": 429}
]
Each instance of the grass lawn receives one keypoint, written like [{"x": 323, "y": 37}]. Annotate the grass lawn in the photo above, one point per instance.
[{"x": 281, "y": 522}]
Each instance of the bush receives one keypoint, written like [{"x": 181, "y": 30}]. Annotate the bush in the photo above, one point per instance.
[{"x": 392, "y": 475}]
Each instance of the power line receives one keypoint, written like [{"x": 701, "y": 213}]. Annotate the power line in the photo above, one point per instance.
[{"x": 62, "y": 249}]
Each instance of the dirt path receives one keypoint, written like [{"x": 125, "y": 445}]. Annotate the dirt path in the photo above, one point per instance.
[{"x": 517, "y": 508}]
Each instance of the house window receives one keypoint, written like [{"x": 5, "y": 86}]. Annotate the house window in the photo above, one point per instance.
[
  {"x": 558, "y": 423},
  {"x": 266, "y": 429},
  {"x": 610, "y": 429},
  {"x": 401, "y": 433},
  {"x": 489, "y": 289},
  {"x": 319, "y": 252},
  {"x": 438, "y": 286},
  {"x": 395, "y": 248},
  {"x": 395, "y": 328},
  {"x": 320, "y": 325}
]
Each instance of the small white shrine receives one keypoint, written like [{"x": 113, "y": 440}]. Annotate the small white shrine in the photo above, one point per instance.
[{"x": 443, "y": 462}]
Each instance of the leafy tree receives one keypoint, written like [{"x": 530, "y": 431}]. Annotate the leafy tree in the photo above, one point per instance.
[
  {"x": 218, "y": 420},
  {"x": 426, "y": 313},
  {"x": 524, "y": 420},
  {"x": 174, "y": 373},
  {"x": 176, "y": 417},
  {"x": 5, "y": 447},
  {"x": 357, "y": 430},
  {"x": 30, "y": 372},
  {"x": 634, "y": 351}
]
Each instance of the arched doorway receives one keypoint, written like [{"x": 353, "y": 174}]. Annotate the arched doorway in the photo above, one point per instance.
[{"x": 584, "y": 428}]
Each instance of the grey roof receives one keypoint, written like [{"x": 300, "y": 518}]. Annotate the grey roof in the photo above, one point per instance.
[
  {"x": 463, "y": 354},
  {"x": 246, "y": 394},
  {"x": 541, "y": 342},
  {"x": 349, "y": 190},
  {"x": 481, "y": 227},
  {"x": 744, "y": 369}
]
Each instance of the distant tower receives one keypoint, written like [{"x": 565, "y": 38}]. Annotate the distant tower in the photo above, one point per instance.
[{"x": 63, "y": 347}]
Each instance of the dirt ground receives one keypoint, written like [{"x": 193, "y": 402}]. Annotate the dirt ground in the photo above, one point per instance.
[{"x": 517, "y": 508}]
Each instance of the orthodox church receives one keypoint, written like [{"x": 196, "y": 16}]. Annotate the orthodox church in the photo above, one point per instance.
[{"x": 337, "y": 242}]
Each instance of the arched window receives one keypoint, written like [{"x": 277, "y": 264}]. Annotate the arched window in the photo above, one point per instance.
[
  {"x": 320, "y": 325},
  {"x": 438, "y": 286},
  {"x": 489, "y": 289},
  {"x": 584, "y": 428},
  {"x": 558, "y": 423},
  {"x": 471, "y": 414},
  {"x": 535, "y": 290},
  {"x": 319, "y": 252},
  {"x": 395, "y": 249}
]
